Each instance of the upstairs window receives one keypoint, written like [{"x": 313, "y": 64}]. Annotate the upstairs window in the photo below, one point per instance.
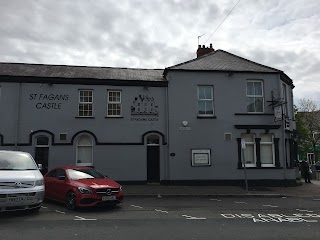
[
  {"x": 114, "y": 104},
  {"x": 255, "y": 96},
  {"x": 85, "y": 103},
  {"x": 205, "y": 101}
]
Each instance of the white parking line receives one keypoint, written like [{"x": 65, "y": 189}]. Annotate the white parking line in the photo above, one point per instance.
[
  {"x": 241, "y": 202},
  {"x": 270, "y": 206},
  {"x": 136, "y": 206},
  {"x": 60, "y": 212},
  {"x": 302, "y": 210},
  {"x": 84, "y": 219},
  {"x": 317, "y": 199},
  {"x": 43, "y": 207},
  {"x": 158, "y": 210},
  {"x": 193, "y": 218},
  {"x": 218, "y": 200}
]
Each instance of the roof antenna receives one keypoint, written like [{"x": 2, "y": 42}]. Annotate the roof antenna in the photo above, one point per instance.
[{"x": 199, "y": 38}]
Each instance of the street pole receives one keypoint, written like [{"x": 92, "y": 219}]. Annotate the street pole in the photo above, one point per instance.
[{"x": 243, "y": 147}]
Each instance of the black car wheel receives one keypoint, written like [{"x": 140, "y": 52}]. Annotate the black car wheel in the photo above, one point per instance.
[{"x": 71, "y": 200}]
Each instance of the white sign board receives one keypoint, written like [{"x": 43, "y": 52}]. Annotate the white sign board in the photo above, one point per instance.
[
  {"x": 278, "y": 113},
  {"x": 201, "y": 157}
]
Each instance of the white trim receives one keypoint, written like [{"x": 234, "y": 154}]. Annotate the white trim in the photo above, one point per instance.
[
  {"x": 256, "y": 96},
  {"x": 114, "y": 102},
  {"x": 88, "y": 103},
  {"x": 205, "y": 100},
  {"x": 273, "y": 164}
]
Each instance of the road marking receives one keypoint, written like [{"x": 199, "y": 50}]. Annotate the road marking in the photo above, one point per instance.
[
  {"x": 317, "y": 199},
  {"x": 241, "y": 202},
  {"x": 302, "y": 210},
  {"x": 193, "y": 218},
  {"x": 158, "y": 210},
  {"x": 84, "y": 219},
  {"x": 136, "y": 206},
  {"x": 218, "y": 200},
  {"x": 270, "y": 206},
  {"x": 43, "y": 207},
  {"x": 284, "y": 197},
  {"x": 60, "y": 212}
]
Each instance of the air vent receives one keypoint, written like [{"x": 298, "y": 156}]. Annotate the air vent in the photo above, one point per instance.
[
  {"x": 227, "y": 136},
  {"x": 63, "y": 137}
]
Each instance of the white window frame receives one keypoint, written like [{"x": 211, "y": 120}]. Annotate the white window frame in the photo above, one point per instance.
[
  {"x": 114, "y": 103},
  {"x": 85, "y": 103},
  {"x": 255, "y": 96},
  {"x": 254, "y": 152},
  {"x": 77, "y": 150},
  {"x": 206, "y": 100},
  {"x": 273, "y": 152}
]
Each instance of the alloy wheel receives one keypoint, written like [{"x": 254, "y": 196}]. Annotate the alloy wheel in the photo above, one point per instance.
[{"x": 71, "y": 200}]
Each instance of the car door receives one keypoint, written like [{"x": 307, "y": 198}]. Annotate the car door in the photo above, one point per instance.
[
  {"x": 61, "y": 185},
  {"x": 49, "y": 180}
]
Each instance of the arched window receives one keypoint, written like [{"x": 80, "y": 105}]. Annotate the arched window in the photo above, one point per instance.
[
  {"x": 153, "y": 140},
  {"x": 84, "y": 151},
  {"x": 42, "y": 141}
]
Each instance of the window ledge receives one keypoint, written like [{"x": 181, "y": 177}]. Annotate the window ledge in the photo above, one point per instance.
[
  {"x": 261, "y": 167},
  {"x": 114, "y": 117},
  {"x": 85, "y": 117},
  {"x": 204, "y": 117},
  {"x": 253, "y": 113}
]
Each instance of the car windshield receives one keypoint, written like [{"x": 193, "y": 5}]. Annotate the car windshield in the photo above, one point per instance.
[
  {"x": 16, "y": 161},
  {"x": 84, "y": 173}
]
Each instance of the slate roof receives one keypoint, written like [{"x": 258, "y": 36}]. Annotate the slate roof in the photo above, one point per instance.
[
  {"x": 79, "y": 72},
  {"x": 220, "y": 60}
]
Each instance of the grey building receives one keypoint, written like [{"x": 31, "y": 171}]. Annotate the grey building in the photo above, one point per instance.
[{"x": 182, "y": 124}]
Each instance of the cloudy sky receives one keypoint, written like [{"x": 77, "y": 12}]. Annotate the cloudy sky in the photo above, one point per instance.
[{"x": 159, "y": 33}]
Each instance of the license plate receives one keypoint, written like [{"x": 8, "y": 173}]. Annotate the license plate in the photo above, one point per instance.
[
  {"x": 17, "y": 199},
  {"x": 108, "y": 198}
]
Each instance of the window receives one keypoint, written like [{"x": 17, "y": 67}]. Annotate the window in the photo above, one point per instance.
[
  {"x": 85, "y": 103},
  {"x": 284, "y": 99},
  {"x": 255, "y": 96},
  {"x": 84, "y": 151},
  {"x": 250, "y": 150},
  {"x": 205, "y": 101},
  {"x": 153, "y": 140},
  {"x": 63, "y": 137},
  {"x": 42, "y": 141},
  {"x": 114, "y": 104},
  {"x": 267, "y": 150}
]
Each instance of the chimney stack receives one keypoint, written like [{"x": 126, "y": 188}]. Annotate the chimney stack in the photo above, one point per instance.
[{"x": 203, "y": 50}]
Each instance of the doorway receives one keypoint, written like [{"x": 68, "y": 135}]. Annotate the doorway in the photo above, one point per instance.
[
  {"x": 153, "y": 158},
  {"x": 42, "y": 153}
]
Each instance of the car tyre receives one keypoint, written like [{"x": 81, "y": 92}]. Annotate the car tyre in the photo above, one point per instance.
[
  {"x": 35, "y": 210},
  {"x": 71, "y": 200}
]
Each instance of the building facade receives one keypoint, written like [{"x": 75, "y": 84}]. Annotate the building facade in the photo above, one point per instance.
[{"x": 195, "y": 122}]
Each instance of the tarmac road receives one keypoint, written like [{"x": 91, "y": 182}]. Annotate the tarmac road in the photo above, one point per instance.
[{"x": 171, "y": 218}]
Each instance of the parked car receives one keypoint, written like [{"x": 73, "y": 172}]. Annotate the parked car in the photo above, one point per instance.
[
  {"x": 21, "y": 182},
  {"x": 79, "y": 186}
]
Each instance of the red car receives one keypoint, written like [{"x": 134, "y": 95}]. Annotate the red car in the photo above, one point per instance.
[{"x": 81, "y": 187}]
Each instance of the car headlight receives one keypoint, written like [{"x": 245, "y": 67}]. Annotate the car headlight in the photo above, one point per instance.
[
  {"x": 84, "y": 190},
  {"x": 39, "y": 182},
  {"x": 120, "y": 188}
]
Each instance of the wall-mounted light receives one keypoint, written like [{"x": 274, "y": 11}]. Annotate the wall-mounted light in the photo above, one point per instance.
[{"x": 185, "y": 123}]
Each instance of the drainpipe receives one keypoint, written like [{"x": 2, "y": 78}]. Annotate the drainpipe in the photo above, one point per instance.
[
  {"x": 284, "y": 153},
  {"x": 16, "y": 137},
  {"x": 167, "y": 133}
]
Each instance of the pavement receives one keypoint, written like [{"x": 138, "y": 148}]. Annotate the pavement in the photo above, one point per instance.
[{"x": 156, "y": 190}]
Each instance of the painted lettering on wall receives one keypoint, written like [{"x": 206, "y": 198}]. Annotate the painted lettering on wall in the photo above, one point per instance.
[
  {"x": 144, "y": 109},
  {"x": 48, "y": 101}
]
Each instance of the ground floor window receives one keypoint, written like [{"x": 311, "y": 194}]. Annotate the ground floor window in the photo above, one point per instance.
[
  {"x": 267, "y": 150},
  {"x": 84, "y": 151},
  {"x": 250, "y": 151}
]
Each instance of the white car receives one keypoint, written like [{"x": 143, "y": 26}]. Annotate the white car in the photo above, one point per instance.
[{"x": 21, "y": 182}]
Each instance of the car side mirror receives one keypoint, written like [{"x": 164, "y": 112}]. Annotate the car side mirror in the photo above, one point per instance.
[
  {"x": 62, "y": 177},
  {"x": 40, "y": 166}
]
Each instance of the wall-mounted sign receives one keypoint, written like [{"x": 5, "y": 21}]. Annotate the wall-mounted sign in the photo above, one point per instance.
[
  {"x": 144, "y": 108},
  {"x": 278, "y": 113},
  {"x": 201, "y": 157},
  {"x": 48, "y": 101}
]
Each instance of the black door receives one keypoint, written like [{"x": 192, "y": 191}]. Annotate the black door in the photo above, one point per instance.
[
  {"x": 153, "y": 163},
  {"x": 41, "y": 157}
]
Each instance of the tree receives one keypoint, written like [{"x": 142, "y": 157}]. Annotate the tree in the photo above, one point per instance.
[{"x": 308, "y": 126}]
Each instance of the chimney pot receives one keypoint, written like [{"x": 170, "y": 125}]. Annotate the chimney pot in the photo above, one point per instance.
[
  {"x": 203, "y": 46},
  {"x": 210, "y": 45},
  {"x": 203, "y": 50}
]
